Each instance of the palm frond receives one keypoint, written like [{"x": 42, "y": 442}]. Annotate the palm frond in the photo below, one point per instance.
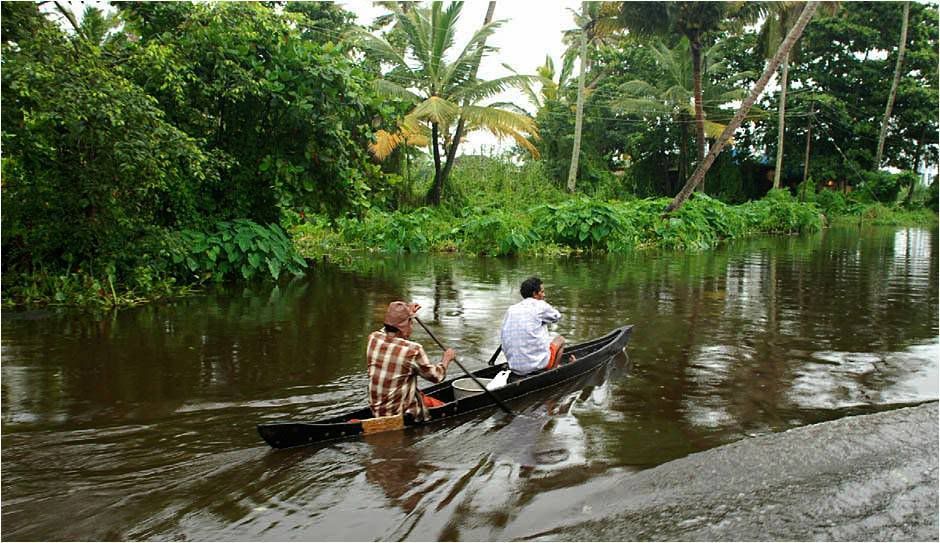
[
  {"x": 509, "y": 106},
  {"x": 472, "y": 93},
  {"x": 437, "y": 110},
  {"x": 443, "y": 27},
  {"x": 638, "y": 88},
  {"x": 414, "y": 131},
  {"x": 527, "y": 88},
  {"x": 713, "y": 130},
  {"x": 410, "y": 131},
  {"x": 473, "y": 51},
  {"x": 503, "y": 124},
  {"x": 640, "y": 106},
  {"x": 498, "y": 121},
  {"x": 417, "y": 32},
  {"x": 379, "y": 47},
  {"x": 387, "y": 88},
  {"x": 385, "y": 144},
  {"x": 525, "y": 144}
]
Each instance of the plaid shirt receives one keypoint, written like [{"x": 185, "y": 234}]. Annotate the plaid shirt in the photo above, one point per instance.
[{"x": 394, "y": 365}]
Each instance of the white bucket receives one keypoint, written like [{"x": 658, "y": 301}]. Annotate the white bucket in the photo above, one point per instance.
[{"x": 466, "y": 387}]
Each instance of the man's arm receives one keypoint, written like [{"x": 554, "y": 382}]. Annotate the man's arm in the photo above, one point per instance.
[
  {"x": 547, "y": 313},
  {"x": 432, "y": 372}
]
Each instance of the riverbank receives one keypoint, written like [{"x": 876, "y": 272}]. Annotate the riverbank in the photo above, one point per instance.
[
  {"x": 868, "y": 477},
  {"x": 585, "y": 225},
  {"x": 177, "y": 264}
]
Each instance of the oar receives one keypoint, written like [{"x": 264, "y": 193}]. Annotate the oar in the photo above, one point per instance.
[
  {"x": 493, "y": 358},
  {"x": 475, "y": 380}
]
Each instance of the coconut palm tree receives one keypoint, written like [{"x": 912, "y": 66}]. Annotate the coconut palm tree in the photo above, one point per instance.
[
  {"x": 445, "y": 95},
  {"x": 745, "y": 107},
  {"x": 894, "y": 86},
  {"x": 782, "y": 17},
  {"x": 696, "y": 21},
  {"x": 672, "y": 92},
  {"x": 595, "y": 26},
  {"x": 548, "y": 89}
]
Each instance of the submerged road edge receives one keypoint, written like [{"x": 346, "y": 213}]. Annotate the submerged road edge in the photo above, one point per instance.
[{"x": 867, "y": 477}]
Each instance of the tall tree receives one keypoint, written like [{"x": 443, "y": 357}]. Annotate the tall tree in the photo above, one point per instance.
[
  {"x": 695, "y": 21},
  {"x": 595, "y": 25},
  {"x": 894, "y": 85},
  {"x": 434, "y": 194},
  {"x": 772, "y": 66},
  {"x": 780, "y": 20},
  {"x": 579, "y": 108},
  {"x": 669, "y": 92},
  {"x": 442, "y": 92}
]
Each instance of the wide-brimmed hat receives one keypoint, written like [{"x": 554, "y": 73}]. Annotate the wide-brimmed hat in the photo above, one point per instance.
[{"x": 398, "y": 314}]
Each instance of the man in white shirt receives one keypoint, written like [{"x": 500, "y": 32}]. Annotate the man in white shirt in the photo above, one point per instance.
[{"x": 526, "y": 342}]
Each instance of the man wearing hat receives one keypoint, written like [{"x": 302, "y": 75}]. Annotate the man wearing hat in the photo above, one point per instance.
[{"x": 394, "y": 364}]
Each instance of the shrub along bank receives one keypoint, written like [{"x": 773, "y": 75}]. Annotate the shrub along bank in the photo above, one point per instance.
[
  {"x": 576, "y": 224},
  {"x": 168, "y": 264}
]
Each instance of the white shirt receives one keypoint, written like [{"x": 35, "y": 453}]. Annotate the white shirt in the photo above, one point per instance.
[{"x": 524, "y": 334}]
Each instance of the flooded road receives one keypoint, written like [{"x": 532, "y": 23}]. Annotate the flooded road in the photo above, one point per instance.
[{"x": 140, "y": 425}]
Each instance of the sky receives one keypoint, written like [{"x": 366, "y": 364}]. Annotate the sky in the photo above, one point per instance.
[{"x": 532, "y": 29}]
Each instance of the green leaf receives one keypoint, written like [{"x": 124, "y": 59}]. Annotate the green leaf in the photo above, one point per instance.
[{"x": 274, "y": 267}]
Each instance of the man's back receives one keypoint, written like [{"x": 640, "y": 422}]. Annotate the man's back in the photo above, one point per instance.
[{"x": 524, "y": 334}]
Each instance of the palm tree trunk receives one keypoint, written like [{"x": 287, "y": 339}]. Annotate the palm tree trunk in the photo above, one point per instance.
[
  {"x": 579, "y": 112},
  {"x": 781, "y": 119},
  {"x": 782, "y": 52},
  {"x": 433, "y": 197},
  {"x": 809, "y": 133},
  {"x": 894, "y": 86},
  {"x": 451, "y": 151},
  {"x": 914, "y": 178},
  {"x": 683, "y": 151},
  {"x": 695, "y": 45}
]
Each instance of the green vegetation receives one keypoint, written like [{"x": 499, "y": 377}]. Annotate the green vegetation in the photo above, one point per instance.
[
  {"x": 574, "y": 225},
  {"x": 153, "y": 147}
]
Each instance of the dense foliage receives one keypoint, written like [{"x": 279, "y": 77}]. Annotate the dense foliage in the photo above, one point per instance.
[
  {"x": 189, "y": 115},
  {"x": 151, "y": 147}
]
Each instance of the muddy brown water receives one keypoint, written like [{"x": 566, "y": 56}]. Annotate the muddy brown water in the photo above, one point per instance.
[{"x": 140, "y": 424}]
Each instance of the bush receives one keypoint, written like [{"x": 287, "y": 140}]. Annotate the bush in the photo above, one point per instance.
[
  {"x": 480, "y": 181},
  {"x": 726, "y": 221},
  {"x": 239, "y": 248},
  {"x": 314, "y": 239},
  {"x": 880, "y": 186},
  {"x": 932, "y": 196},
  {"x": 779, "y": 212},
  {"x": 832, "y": 202},
  {"x": 497, "y": 233},
  {"x": 394, "y": 232},
  {"x": 580, "y": 223}
]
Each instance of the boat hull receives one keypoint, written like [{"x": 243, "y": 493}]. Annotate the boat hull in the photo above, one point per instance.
[{"x": 589, "y": 356}]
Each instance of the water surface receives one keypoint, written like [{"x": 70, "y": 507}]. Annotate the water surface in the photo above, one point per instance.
[{"x": 140, "y": 424}]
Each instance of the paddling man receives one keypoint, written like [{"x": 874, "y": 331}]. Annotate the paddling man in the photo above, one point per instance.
[
  {"x": 394, "y": 364},
  {"x": 526, "y": 342}
]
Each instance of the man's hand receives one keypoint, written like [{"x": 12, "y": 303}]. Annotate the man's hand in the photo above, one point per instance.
[
  {"x": 415, "y": 307},
  {"x": 449, "y": 356}
]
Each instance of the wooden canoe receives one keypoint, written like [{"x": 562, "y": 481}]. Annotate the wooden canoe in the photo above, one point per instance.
[{"x": 589, "y": 356}]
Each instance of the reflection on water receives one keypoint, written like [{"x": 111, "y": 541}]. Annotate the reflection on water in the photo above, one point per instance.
[{"x": 141, "y": 425}]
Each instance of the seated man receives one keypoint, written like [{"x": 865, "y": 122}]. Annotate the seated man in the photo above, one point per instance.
[
  {"x": 394, "y": 364},
  {"x": 524, "y": 334}
]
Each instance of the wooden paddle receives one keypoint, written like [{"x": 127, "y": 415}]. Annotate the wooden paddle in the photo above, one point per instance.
[
  {"x": 470, "y": 375},
  {"x": 493, "y": 358}
]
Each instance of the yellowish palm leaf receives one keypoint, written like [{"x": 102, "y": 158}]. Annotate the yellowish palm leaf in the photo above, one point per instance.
[
  {"x": 437, "y": 110},
  {"x": 713, "y": 130},
  {"x": 410, "y": 131}
]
